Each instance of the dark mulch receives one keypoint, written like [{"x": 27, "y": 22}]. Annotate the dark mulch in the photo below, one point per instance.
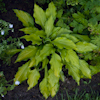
[{"x": 20, "y": 92}]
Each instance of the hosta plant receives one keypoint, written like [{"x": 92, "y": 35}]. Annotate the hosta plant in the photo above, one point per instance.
[{"x": 52, "y": 49}]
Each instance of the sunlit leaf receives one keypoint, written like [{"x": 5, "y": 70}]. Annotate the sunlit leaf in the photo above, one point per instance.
[
  {"x": 32, "y": 62},
  {"x": 72, "y": 57},
  {"x": 84, "y": 67},
  {"x": 24, "y": 17},
  {"x": 52, "y": 79},
  {"x": 27, "y": 53},
  {"x": 85, "y": 47},
  {"x": 62, "y": 76},
  {"x": 51, "y": 11},
  {"x": 94, "y": 69},
  {"x": 62, "y": 42},
  {"x": 53, "y": 83},
  {"x": 33, "y": 78},
  {"x": 82, "y": 37},
  {"x": 74, "y": 72},
  {"x": 49, "y": 26},
  {"x": 53, "y": 90},
  {"x": 71, "y": 37},
  {"x": 56, "y": 64},
  {"x": 58, "y": 31},
  {"x": 39, "y": 15},
  {"x": 44, "y": 88},
  {"x": 45, "y": 62},
  {"x": 63, "y": 53},
  {"x": 29, "y": 30},
  {"x": 22, "y": 73},
  {"x": 32, "y": 37},
  {"x": 13, "y": 51}
]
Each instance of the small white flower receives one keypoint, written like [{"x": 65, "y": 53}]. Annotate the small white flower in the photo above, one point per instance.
[
  {"x": 2, "y": 32},
  {"x": 22, "y": 46},
  {"x": 10, "y": 25},
  {"x": 2, "y": 95},
  {"x": 17, "y": 83}
]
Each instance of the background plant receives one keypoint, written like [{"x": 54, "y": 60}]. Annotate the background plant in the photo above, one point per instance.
[
  {"x": 4, "y": 85},
  {"x": 2, "y": 7},
  {"x": 52, "y": 48},
  {"x": 7, "y": 43}
]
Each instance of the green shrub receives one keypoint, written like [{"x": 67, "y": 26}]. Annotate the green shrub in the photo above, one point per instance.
[{"x": 53, "y": 47}]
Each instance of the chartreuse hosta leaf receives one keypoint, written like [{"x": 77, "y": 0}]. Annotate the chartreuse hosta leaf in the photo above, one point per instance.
[
  {"x": 45, "y": 62},
  {"x": 82, "y": 37},
  {"x": 56, "y": 64},
  {"x": 27, "y": 53},
  {"x": 44, "y": 87},
  {"x": 39, "y": 15},
  {"x": 71, "y": 57},
  {"x": 84, "y": 67},
  {"x": 53, "y": 83},
  {"x": 32, "y": 62},
  {"x": 49, "y": 26},
  {"x": 74, "y": 72},
  {"x": 33, "y": 78},
  {"x": 51, "y": 11},
  {"x": 62, "y": 42},
  {"x": 29, "y": 30},
  {"x": 33, "y": 37},
  {"x": 71, "y": 37},
  {"x": 25, "y": 18},
  {"x": 85, "y": 47},
  {"x": 22, "y": 73}
]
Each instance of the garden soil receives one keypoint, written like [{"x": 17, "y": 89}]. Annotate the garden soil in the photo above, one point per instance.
[{"x": 20, "y": 92}]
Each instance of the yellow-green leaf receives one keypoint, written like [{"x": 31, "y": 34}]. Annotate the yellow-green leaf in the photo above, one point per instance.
[
  {"x": 46, "y": 51},
  {"x": 82, "y": 37},
  {"x": 29, "y": 30},
  {"x": 49, "y": 26},
  {"x": 34, "y": 38},
  {"x": 53, "y": 90},
  {"x": 44, "y": 88},
  {"x": 94, "y": 69},
  {"x": 62, "y": 42},
  {"x": 45, "y": 62},
  {"x": 13, "y": 51},
  {"x": 63, "y": 53},
  {"x": 33, "y": 78},
  {"x": 84, "y": 67},
  {"x": 39, "y": 15},
  {"x": 74, "y": 72},
  {"x": 58, "y": 31},
  {"x": 24, "y": 17},
  {"x": 71, "y": 37},
  {"x": 56, "y": 64},
  {"x": 85, "y": 47},
  {"x": 52, "y": 79},
  {"x": 27, "y": 53},
  {"x": 32, "y": 62},
  {"x": 72, "y": 57},
  {"x": 62, "y": 76},
  {"x": 51, "y": 11},
  {"x": 22, "y": 73}
]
